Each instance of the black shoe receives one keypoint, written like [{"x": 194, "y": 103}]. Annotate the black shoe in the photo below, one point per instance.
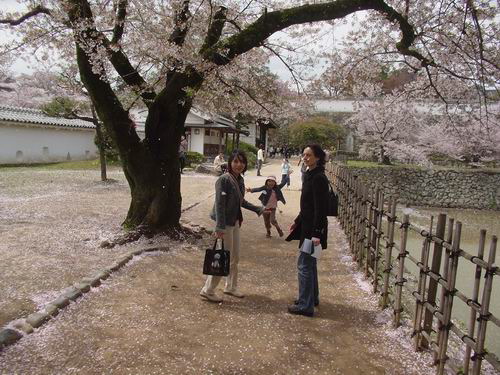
[
  {"x": 296, "y": 311},
  {"x": 296, "y": 302}
]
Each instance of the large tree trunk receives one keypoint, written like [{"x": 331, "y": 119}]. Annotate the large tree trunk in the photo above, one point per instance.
[{"x": 151, "y": 166}]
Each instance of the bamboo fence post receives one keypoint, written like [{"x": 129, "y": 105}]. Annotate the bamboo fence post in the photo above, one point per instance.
[
  {"x": 355, "y": 234},
  {"x": 362, "y": 227},
  {"x": 448, "y": 303},
  {"x": 352, "y": 216},
  {"x": 378, "y": 235},
  {"x": 401, "y": 280},
  {"x": 485, "y": 308},
  {"x": 422, "y": 281},
  {"x": 369, "y": 238},
  {"x": 433, "y": 284},
  {"x": 446, "y": 273},
  {"x": 388, "y": 251},
  {"x": 348, "y": 207},
  {"x": 344, "y": 199},
  {"x": 474, "y": 300}
]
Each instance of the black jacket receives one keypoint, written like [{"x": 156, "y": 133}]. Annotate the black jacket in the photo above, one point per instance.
[
  {"x": 312, "y": 221},
  {"x": 266, "y": 193}
]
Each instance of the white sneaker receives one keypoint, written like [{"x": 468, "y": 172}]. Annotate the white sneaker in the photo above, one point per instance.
[
  {"x": 210, "y": 297},
  {"x": 234, "y": 293}
]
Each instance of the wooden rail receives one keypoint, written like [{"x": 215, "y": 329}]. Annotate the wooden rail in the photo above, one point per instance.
[{"x": 368, "y": 218}]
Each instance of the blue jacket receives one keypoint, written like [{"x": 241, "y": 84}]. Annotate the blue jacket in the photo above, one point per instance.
[{"x": 266, "y": 193}]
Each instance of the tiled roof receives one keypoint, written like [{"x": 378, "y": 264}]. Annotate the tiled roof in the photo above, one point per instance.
[{"x": 36, "y": 116}]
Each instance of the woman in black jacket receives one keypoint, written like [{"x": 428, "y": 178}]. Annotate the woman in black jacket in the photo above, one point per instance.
[{"x": 311, "y": 223}]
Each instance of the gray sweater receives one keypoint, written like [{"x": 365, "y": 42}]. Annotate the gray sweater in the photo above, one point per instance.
[{"x": 226, "y": 210}]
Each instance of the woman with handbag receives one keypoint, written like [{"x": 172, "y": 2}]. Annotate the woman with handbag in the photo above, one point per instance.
[
  {"x": 229, "y": 198},
  {"x": 311, "y": 223}
]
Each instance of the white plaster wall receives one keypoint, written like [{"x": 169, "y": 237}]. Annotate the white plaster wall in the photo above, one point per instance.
[
  {"x": 334, "y": 105},
  {"x": 31, "y": 141},
  {"x": 250, "y": 139},
  {"x": 197, "y": 140}
]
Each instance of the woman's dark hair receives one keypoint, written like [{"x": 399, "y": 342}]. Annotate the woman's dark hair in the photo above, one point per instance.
[
  {"x": 241, "y": 156},
  {"x": 319, "y": 153}
]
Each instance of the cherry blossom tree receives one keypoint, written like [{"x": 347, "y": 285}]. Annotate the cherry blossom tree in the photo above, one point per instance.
[
  {"x": 388, "y": 126},
  {"x": 453, "y": 88},
  {"x": 166, "y": 53}
]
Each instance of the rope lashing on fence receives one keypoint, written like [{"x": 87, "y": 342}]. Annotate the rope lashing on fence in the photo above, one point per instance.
[
  {"x": 397, "y": 311},
  {"x": 388, "y": 269},
  {"x": 450, "y": 292},
  {"x": 447, "y": 326},
  {"x": 477, "y": 355},
  {"x": 401, "y": 282},
  {"x": 402, "y": 255},
  {"x": 392, "y": 219},
  {"x": 405, "y": 225},
  {"x": 485, "y": 317},
  {"x": 473, "y": 303},
  {"x": 491, "y": 271}
]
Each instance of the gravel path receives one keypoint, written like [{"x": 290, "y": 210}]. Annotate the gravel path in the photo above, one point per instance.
[{"x": 147, "y": 318}]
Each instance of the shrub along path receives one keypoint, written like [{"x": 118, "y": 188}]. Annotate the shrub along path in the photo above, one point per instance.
[{"x": 148, "y": 318}]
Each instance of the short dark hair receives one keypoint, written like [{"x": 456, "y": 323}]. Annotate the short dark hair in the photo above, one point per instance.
[
  {"x": 318, "y": 152},
  {"x": 241, "y": 156}
]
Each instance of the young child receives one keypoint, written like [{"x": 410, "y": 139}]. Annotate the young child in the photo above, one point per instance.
[
  {"x": 270, "y": 196},
  {"x": 286, "y": 171}
]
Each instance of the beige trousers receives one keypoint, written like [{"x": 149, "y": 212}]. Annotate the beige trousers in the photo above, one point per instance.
[{"x": 231, "y": 243}]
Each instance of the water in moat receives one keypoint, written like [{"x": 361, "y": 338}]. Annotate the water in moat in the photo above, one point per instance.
[{"x": 472, "y": 222}]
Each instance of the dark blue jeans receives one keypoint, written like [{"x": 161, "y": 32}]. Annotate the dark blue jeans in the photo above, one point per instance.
[
  {"x": 285, "y": 177},
  {"x": 308, "y": 282}
]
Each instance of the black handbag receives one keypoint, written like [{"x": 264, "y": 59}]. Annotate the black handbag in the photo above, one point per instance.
[
  {"x": 333, "y": 202},
  {"x": 216, "y": 261}
]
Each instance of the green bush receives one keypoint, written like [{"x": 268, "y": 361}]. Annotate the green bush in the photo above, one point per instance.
[
  {"x": 248, "y": 148},
  {"x": 252, "y": 160},
  {"x": 193, "y": 157},
  {"x": 250, "y": 151}
]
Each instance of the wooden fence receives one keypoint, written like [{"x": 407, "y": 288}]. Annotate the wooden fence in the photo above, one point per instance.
[{"x": 369, "y": 220}]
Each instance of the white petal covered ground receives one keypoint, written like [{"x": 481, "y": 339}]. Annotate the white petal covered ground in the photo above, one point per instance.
[
  {"x": 148, "y": 317},
  {"x": 51, "y": 226}
]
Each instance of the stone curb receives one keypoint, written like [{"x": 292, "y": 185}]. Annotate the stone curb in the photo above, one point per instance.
[{"x": 15, "y": 330}]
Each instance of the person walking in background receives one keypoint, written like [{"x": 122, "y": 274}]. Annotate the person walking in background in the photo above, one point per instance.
[
  {"x": 226, "y": 212},
  {"x": 183, "y": 146},
  {"x": 271, "y": 195},
  {"x": 286, "y": 171},
  {"x": 260, "y": 159},
  {"x": 312, "y": 224},
  {"x": 220, "y": 164}
]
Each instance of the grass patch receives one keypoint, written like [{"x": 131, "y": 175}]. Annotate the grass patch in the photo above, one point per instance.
[{"x": 66, "y": 165}]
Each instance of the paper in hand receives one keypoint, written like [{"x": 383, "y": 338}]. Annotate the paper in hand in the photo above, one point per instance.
[{"x": 308, "y": 248}]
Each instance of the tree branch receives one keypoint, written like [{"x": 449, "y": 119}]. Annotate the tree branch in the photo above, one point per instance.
[
  {"x": 107, "y": 104},
  {"x": 270, "y": 22},
  {"x": 32, "y": 13},
  {"x": 246, "y": 92},
  {"x": 181, "y": 25},
  {"x": 121, "y": 13},
  {"x": 290, "y": 69},
  {"x": 117, "y": 57},
  {"x": 215, "y": 29}
]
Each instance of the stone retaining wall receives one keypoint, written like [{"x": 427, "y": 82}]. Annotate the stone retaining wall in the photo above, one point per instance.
[{"x": 437, "y": 188}]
